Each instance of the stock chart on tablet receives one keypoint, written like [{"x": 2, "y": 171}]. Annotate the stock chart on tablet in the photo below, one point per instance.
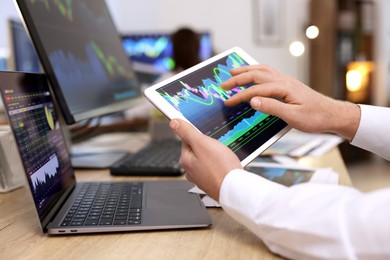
[{"x": 199, "y": 97}]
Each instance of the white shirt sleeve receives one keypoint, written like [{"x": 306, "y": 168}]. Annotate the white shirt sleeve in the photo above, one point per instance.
[
  {"x": 310, "y": 221},
  {"x": 374, "y": 129}
]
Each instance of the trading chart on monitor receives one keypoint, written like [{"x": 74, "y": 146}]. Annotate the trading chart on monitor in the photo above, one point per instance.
[
  {"x": 200, "y": 99},
  {"x": 81, "y": 52},
  {"x": 153, "y": 52}
]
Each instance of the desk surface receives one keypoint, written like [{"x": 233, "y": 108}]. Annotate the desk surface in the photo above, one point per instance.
[{"x": 21, "y": 237}]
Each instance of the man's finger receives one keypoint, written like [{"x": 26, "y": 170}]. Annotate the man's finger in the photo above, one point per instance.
[
  {"x": 249, "y": 77},
  {"x": 270, "y": 106},
  {"x": 260, "y": 67},
  {"x": 185, "y": 131},
  {"x": 263, "y": 90}
]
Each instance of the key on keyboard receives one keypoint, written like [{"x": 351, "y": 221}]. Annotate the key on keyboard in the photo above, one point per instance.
[
  {"x": 159, "y": 158},
  {"x": 106, "y": 204}
]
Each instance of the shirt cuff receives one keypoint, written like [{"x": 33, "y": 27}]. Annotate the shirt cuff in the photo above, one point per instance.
[
  {"x": 362, "y": 128},
  {"x": 374, "y": 126},
  {"x": 242, "y": 191}
]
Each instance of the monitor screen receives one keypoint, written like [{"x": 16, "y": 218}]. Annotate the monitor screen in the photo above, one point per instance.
[
  {"x": 82, "y": 55},
  {"x": 152, "y": 52},
  {"x": 23, "y": 55}
]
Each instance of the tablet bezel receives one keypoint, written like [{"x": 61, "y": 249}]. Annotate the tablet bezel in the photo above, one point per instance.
[{"x": 152, "y": 95}]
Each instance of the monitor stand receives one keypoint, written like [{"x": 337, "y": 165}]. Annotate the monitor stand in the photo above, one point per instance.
[
  {"x": 89, "y": 157},
  {"x": 95, "y": 159}
]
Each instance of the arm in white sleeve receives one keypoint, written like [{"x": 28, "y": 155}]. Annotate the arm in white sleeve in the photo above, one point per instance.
[
  {"x": 374, "y": 129},
  {"x": 310, "y": 221}
]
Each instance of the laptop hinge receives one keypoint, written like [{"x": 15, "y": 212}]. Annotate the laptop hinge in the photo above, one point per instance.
[{"x": 56, "y": 208}]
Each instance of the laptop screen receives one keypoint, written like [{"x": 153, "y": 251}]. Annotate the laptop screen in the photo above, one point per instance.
[{"x": 37, "y": 132}]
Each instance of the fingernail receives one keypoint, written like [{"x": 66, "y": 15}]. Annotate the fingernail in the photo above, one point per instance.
[
  {"x": 255, "y": 102},
  {"x": 174, "y": 124}
]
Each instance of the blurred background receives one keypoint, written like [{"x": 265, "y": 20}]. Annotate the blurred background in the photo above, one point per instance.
[{"x": 339, "y": 47}]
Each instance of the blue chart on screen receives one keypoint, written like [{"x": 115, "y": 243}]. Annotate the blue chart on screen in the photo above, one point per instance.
[
  {"x": 88, "y": 71},
  {"x": 156, "y": 50},
  {"x": 83, "y": 57},
  {"x": 200, "y": 99}
]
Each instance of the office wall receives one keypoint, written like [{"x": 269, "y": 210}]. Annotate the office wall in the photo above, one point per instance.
[
  {"x": 7, "y": 11},
  {"x": 231, "y": 22}
]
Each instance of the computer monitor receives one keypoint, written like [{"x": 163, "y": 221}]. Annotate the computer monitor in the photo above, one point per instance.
[
  {"x": 82, "y": 55},
  {"x": 152, "y": 52},
  {"x": 23, "y": 56}
]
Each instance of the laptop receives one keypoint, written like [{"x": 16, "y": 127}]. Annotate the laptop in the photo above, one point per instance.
[{"x": 65, "y": 206}]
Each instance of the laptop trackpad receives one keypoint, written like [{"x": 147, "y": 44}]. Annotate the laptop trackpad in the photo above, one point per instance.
[{"x": 170, "y": 198}]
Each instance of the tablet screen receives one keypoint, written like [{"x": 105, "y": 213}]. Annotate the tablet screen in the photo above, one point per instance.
[{"x": 199, "y": 98}]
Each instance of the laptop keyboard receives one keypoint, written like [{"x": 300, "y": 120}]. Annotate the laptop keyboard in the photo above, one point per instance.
[
  {"x": 103, "y": 204},
  {"x": 158, "y": 158}
]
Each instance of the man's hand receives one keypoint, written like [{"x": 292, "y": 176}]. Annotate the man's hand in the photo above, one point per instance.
[
  {"x": 206, "y": 160},
  {"x": 297, "y": 104}
]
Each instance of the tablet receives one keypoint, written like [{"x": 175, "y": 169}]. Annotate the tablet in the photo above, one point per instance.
[{"x": 195, "y": 95}]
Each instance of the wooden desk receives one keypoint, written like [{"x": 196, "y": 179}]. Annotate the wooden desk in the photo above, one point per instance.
[{"x": 21, "y": 237}]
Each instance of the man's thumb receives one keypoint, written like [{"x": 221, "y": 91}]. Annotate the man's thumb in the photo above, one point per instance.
[{"x": 184, "y": 130}]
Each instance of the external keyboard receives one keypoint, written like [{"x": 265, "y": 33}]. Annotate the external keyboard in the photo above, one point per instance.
[{"x": 158, "y": 158}]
